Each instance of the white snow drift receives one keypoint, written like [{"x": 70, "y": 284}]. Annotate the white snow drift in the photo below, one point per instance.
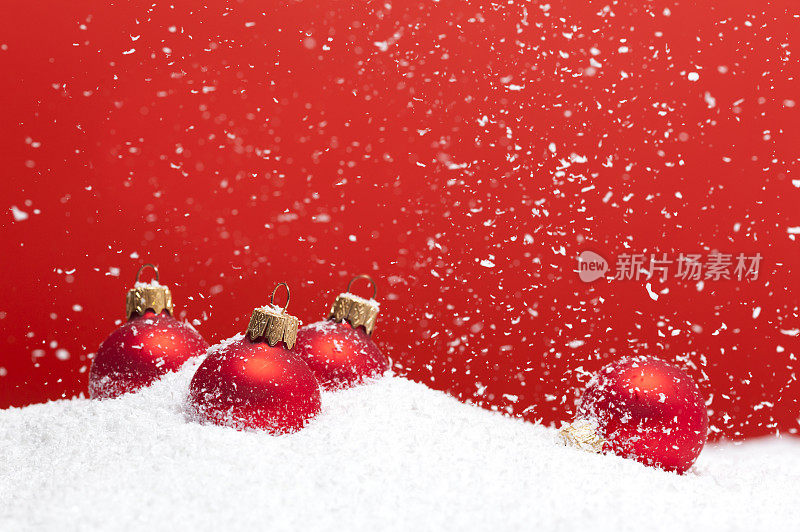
[{"x": 391, "y": 455}]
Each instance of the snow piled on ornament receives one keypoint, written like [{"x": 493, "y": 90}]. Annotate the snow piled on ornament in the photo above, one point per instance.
[
  {"x": 389, "y": 455},
  {"x": 371, "y": 302},
  {"x": 149, "y": 284}
]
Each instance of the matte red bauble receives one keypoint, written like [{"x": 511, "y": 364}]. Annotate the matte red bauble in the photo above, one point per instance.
[
  {"x": 642, "y": 408},
  {"x": 340, "y": 350},
  {"x": 149, "y": 345},
  {"x": 254, "y": 381}
]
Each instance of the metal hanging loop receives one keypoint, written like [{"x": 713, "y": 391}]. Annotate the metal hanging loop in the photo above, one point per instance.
[
  {"x": 288, "y": 295},
  {"x": 368, "y": 278},
  {"x": 155, "y": 269}
]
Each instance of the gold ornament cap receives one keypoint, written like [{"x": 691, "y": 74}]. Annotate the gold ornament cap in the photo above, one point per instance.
[
  {"x": 356, "y": 310},
  {"x": 582, "y": 434},
  {"x": 272, "y": 323},
  {"x": 147, "y": 296}
]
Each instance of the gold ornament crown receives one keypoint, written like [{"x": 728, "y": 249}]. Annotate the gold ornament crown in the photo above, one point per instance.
[
  {"x": 147, "y": 296},
  {"x": 357, "y": 311},
  {"x": 272, "y": 323},
  {"x": 582, "y": 434}
]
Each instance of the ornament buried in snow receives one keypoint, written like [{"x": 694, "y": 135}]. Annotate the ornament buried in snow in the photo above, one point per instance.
[
  {"x": 642, "y": 408},
  {"x": 149, "y": 345},
  {"x": 340, "y": 350},
  {"x": 254, "y": 381}
]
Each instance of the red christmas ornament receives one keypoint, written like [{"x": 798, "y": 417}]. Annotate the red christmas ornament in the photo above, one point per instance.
[
  {"x": 254, "y": 381},
  {"x": 149, "y": 345},
  {"x": 340, "y": 350},
  {"x": 642, "y": 408}
]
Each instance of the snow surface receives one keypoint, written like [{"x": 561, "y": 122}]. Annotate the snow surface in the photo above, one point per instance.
[{"x": 390, "y": 455}]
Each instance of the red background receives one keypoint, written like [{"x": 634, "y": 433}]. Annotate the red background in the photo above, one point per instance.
[{"x": 246, "y": 143}]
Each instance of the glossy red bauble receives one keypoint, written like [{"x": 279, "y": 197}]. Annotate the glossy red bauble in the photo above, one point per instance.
[
  {"x": 141, "y": 351},
  {"x": 339, "y": 355},
  {"x": 648, "y": 410},
  {"x": 248, "y": 384}
]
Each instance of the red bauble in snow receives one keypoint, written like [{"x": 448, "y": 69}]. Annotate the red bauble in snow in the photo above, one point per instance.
[
  {"x": 339, "y": 355},
  {"x": 149, "y": 345},
  {"x": 254, "y": 381},
  {"x": 340, "y": 350},
  {"x": 642, "y": 408}
]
